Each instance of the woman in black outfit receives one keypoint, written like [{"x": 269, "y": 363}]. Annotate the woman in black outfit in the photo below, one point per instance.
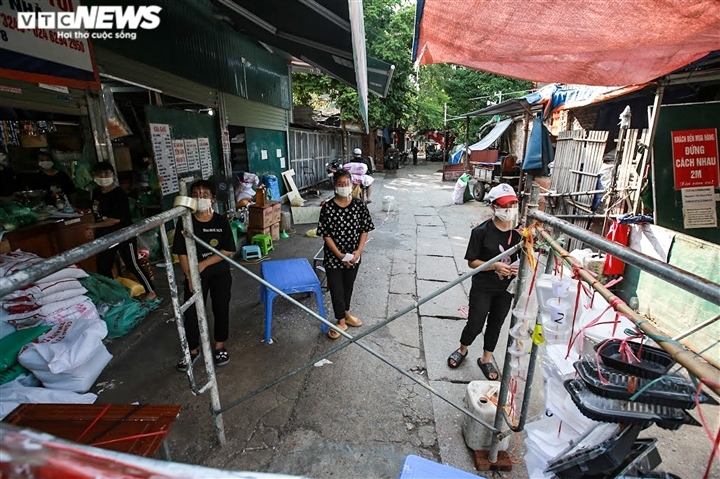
[
  {"x": 344, "y": 224},
  {"x": 112, "y": 213},
  {"x": 214, "y": 229}
]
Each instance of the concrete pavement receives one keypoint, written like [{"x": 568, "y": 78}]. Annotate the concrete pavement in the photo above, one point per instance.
[{"x": 356, "y": 416}]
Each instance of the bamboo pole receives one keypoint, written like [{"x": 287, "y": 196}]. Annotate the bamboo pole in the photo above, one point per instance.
[{"x": 684, "y": 357}]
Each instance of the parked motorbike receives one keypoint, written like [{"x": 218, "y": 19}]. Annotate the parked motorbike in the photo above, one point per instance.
[{"x": 359, "y": 187}]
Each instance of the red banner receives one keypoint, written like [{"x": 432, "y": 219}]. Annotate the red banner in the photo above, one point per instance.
[{"x": 695, "y": 158}]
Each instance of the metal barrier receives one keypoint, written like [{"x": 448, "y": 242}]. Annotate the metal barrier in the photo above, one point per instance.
[{"x": 51, "y": 265}]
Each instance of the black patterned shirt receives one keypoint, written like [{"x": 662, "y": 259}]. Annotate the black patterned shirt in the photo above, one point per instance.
[{"x": 344, "y": 225}]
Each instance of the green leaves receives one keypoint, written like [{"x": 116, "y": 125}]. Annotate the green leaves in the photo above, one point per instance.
[{"x": 415, "y": 100}]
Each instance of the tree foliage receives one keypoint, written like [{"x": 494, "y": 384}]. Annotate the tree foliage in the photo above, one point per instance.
[{"x": 416, "y": 99}]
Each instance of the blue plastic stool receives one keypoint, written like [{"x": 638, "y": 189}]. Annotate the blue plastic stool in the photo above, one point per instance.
[
  {"x": 264, "y": 242},
  {"x": 251, "y": 251},
  {"x": 289, "y": 276},
  {"x": 416, "y": 467}
]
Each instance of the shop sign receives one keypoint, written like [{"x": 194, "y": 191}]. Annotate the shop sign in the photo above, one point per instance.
[
  {"x": 43, "y": 55},
  {"x": 695, "y": 158}
]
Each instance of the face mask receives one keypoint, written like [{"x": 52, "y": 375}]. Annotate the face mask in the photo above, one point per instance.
[
  {"x": 45, "y": 165},
  {"x": 506, "y": 214},
  {"x": 103, "y": 181},
  {"x": 204, "y": 204},
  {"x": 343, "y": 190}
]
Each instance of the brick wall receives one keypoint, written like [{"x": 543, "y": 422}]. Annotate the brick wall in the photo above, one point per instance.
[{"x": 583, "y": 118}]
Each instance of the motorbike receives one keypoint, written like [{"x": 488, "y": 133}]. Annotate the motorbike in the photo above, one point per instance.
[{"x": 358, "y": 178}]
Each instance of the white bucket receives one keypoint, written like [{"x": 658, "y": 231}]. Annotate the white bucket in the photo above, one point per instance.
[
  {"x": 477, "y": 436},
  {"x": 388, "y": 203}
]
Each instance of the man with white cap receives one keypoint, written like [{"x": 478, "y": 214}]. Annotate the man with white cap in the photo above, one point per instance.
[
  {"x": 489, "y": 299},
  {"x": 361, "y": 170}
]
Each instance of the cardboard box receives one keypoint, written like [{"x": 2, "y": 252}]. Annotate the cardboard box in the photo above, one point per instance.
[
  {"x": 264, "y": 216},
  {"x": 123, "y": 160},
  {"x": 33, "y": 141},
  {"x": 273, "y": 231}
]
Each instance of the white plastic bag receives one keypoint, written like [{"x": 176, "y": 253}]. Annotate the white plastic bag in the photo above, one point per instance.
[
  {"x": 66, "y": 346},
  {"x": 15, "y": 393},
  {"x": 70, "y": 356},
  {"x": 79, "y": 307},
  {"x": 21, "y": 306},
  {"x": 36, "y": 292},
  {"x": 458, "y": 195}
]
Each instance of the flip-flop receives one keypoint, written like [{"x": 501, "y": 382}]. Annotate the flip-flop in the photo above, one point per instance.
[
  {"x": 488, "y": 369},
  {"x": 353, "y": 321},
  {"x": 457, "y": 357},
  {"x": 332, "y": 334}
]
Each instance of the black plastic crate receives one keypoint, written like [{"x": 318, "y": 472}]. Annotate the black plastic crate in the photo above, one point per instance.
[
  {"x": 599, "y": 451},
  {"x": 654, "y": 362}
]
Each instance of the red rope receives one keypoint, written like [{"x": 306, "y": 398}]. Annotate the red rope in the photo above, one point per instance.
[
  {"x": 99, "y": 416},
  {"x": 130, "y": 438}
]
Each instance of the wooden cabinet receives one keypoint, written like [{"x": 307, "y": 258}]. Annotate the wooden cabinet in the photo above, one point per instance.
[{"x": 50, "y": 238}]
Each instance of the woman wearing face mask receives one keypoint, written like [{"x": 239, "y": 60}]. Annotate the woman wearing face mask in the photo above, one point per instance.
[
  {"x": 50, "y": 179},
  {"x": 214, "y": 229},
  {"x": 344, "y": 224},
  {"x": 489, "y": 298},
  {"x": 112, "y": 212}
]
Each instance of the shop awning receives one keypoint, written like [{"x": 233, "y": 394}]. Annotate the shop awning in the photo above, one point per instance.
[
  {"x": 491, "y": 137},
  {"x": 615, "y": 42},
  {"x": 326, "y": 34},
  {"x": 555, "y": 97}
]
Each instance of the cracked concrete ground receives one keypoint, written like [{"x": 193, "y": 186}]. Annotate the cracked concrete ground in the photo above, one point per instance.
[{"x": 355, "y": 417}]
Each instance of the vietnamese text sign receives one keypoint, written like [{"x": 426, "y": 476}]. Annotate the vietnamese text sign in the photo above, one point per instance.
[
  {"x": 164, "y": 159},
  {"x": 695, "y": 158},
  {"x": 36, "y": 54},
  {"x": 180, "y": 158},
  {"x": 193, "y": 155},
  {"x": 205, "y": 157},
  {"x": 699, "y": 207}
]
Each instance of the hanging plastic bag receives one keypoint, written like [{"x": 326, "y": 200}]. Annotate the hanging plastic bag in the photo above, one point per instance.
[
  {"x": 619, "y": 234},
  {"x": 117, "y": 126},
  {"x": 459, "y": 191}
]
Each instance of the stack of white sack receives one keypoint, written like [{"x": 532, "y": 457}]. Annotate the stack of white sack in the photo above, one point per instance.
[
  {"x": 53, "y": 299},
  {"x": 69, "y": 357}
]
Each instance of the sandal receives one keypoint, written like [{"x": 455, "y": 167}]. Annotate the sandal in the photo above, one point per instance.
[
  {"x": 457, "y": 358},
  {"x": 488, "y": 369},
  {"x": 332, "y": 334},
  {"x": 353, "y": 321}
]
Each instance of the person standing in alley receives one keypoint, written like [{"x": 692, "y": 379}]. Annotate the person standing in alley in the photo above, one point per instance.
[
  {"x": 489, "y": 298},
  {"x": 414, "y": 151},
  {"x": 344, "y": 224},
  {"x": 214, "y": 229},
  {"x": 111, "y": 210}
]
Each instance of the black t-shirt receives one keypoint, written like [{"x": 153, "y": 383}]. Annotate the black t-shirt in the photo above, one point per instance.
[
  {"x": 486, "y": 242},
  {"x": 344, "y": 225},
  {"x": 216, "y": 233},
  {"x": 58, "y": 183},
  {"x": 113, "y": 204}
]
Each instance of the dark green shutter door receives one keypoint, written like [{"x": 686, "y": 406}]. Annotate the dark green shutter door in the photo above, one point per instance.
[
  {"x": 242, "y": 112},
  {"x": 29, "y": 96}
]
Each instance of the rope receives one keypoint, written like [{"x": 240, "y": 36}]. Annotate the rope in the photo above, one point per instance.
[{"x": 102, "y": 413}]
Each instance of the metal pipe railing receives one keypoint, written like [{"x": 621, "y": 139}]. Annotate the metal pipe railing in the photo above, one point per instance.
[
  {"x": 355, "y": 339},
  {"x": 690, "y": 282},
  {"x": 54, "y": 264},
  {"x": 684, "y": 357}
]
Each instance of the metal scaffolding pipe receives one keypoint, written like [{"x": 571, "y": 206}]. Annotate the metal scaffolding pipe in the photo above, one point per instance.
[
  {"x": 54, "y": 264},
  {"x": 687, "y": 359},
  {"x": 355, "y": 339},
  {"x": 690, "y": 282}
]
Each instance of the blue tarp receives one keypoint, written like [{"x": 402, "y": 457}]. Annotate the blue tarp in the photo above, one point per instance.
[{"x": 539, "y": 150}]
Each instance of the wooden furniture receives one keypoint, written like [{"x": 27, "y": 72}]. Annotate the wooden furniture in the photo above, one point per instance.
[
  {"x": 52, "y": 237},
  {"x": 133, "y": 429}
]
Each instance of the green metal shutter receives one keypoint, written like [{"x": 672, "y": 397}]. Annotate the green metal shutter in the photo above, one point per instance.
[
  {"x": 121, "y": 67},
  {"x": 242, "y": 112},
  {"x": 29, "y": 96}
]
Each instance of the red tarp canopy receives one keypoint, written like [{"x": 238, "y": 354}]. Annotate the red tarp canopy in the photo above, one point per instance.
[{"x": 589, "y": 42}]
